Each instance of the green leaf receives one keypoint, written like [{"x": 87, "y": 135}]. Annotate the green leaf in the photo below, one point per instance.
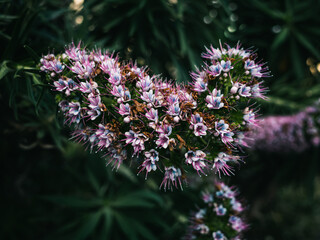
[
  {"x": 4, "y": 17},
  {"x": 71, "y": 201},
  {"x": 88, "y": 226},
  {"x": 182, "y": 39},
  {"x": 280, "y": 38},
  {"x": 266, "y": 9},
  {"x": 143, "y": 198},
  {"x": 94, "y": 183},
  {"x": 296, "y": 59},
  {"x": 126, "y": 172},
  {"x": 108, "y": 221},
  {"x": 307, "y": 44},
  {"x": 32, "y": 53},
  {"x": 4, "y": 69},
  {"x": 126, "y": 226}
]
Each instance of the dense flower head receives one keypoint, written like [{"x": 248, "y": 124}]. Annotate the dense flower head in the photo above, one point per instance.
[
  {"x": 220, "y": 216},
  {"x": 289, "y": 133},
  {"x": 124, "y": 111}
]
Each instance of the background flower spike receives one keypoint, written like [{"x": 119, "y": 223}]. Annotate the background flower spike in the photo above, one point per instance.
[{"x": 220, "y": 217}]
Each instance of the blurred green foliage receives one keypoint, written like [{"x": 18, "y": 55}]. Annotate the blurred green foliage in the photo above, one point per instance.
[{"x": 51, "y": 188}]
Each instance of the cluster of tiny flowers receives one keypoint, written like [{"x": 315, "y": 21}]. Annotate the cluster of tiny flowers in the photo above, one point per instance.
[
  {"x": 287, "y": 133},
  {"x": 122, "y": 110},
  {"x": 220, "y": 218}
]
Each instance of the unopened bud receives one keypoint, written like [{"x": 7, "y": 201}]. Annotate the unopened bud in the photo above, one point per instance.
[{"x": 126, "y": 119}]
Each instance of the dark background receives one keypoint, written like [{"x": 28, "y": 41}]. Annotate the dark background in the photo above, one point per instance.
[{"x": 51, "y": 188}]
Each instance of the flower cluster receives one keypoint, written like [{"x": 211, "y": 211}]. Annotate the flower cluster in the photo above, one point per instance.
[
  {"x": 287, "y": 133},
  {"x": 124, "y": 111},
  {"x": 220, "y": 218}
]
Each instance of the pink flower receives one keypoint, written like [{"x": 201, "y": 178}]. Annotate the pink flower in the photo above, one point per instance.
[
  {"x": 145, "y": 83},
  {"x": 200, "y": 129},
  {"x": 226, "y": 65},
  {"x": 244, "y": 91},
  {"x": 163, "y": 141},
  {"x": 85, "y": 87},
  {"x": 212, "y": 53},
  {"x": 214, "y": 100},
  {"x": 197, "y": 159},
  {"x": 60, "y": 85},
  {"x": 124, "y": 109},
  {"x": 172, "y": 177},
  {"x": 220, "y": 164},
  {"x": 215, "y": 70},
  {"x": 152, "y": 115},
  {"x": 149, "y": 163}
]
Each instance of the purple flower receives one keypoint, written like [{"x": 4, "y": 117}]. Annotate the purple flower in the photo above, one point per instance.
[
  {"x": 220, "y": 164},
  {"x": 207, "y": 197},
  {"x": 200, "y": 214},
  {"x": 116, "y": 158},
  {"x": 130, "y": 136},
  {"x": 196, "y": 118},
  {"x": 244, "y": 91},
  {"x": 95, "y": 101},
  {"x": 221, "y": 127},
  {"x": 173, "y": 99},
  {"x": 199, "y": 84},
  {"x": 258, "y": 92},
  {"x": 218, "y": 236},
  {"x": 118, "y": 91},
  {"x": 197, "y": 159},
  {"x": 108, "y": 65},
  {"x": 136, "y": 140},
  {"x": 174, "y": 110},
  {"x": 74, "y": 112},
  {"x": 172, "y": 177},
  {"x": 64, "y": 105},
  {"x": 226, "y": 65},
  {"x": 236, "y": 205},
  {"x": 215, "y": 70},
  {"x": 57, "y": 66},
  {"x": 249, "y": 117},
  {"x": 203, "y": 229},
  {"x": 152, "y": 115},
  {"x": 189, "y": 156},
  {"x": 212, "y": 53},
  {"x": 163, "y": 141},
  {"x": 114, "y": 76},
  {"x": 60, "y": 85},
  {"x": 220, "y": 210},
  {"x": 148, "y": 96},
  {"x": 75, "y": 53},
  {"x": 84, "y": 68},
  {"x": 85, "y": 87},
  {"x": 226, "y": 137},
  {"x": 71, "y": 86},
  {"x": 256, "y": 72},
  {"x": 237, "y": 223},
  {"x": 124, "y": 109},
  {"x": 145, "y": 83},
  {"x": 93, "y": 113},
  {"x": 200, "y": 129},
  {"x": 248, "y": 64},
  {"x": 149, "y": 163},
  {"x": 214, "y": 100},
  {"x": 74, "y": 108},
  {"x": 165, "y": 129},
  {"x": 104, "y": 137}
]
